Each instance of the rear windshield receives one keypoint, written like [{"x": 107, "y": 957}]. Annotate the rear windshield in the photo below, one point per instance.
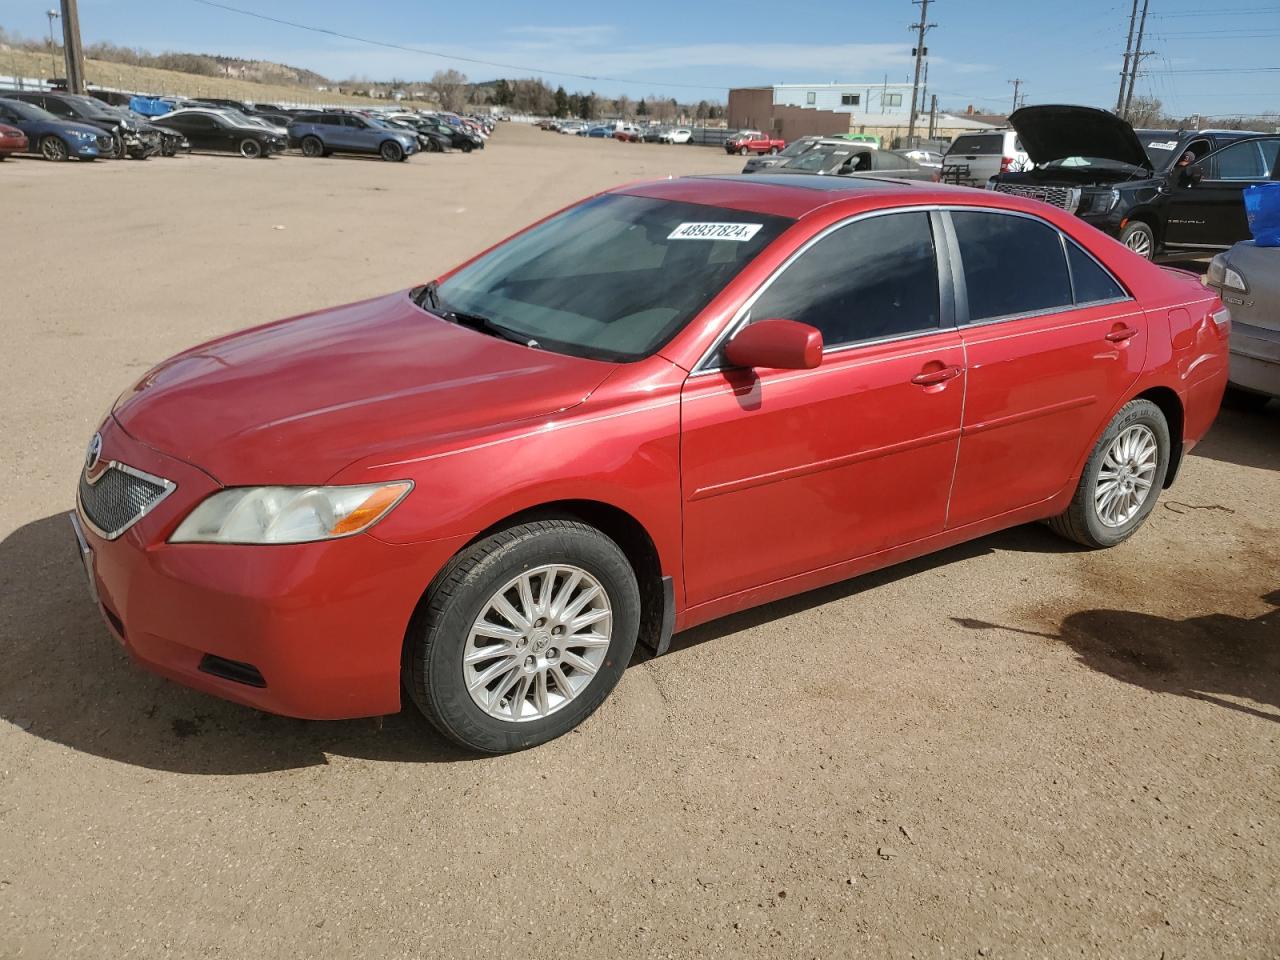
[
  {"x": 978, "y": 143},
  {"x": 613, "y": 278}
]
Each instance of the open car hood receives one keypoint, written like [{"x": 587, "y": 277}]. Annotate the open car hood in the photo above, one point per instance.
[{"x": 1051, "y": 133}]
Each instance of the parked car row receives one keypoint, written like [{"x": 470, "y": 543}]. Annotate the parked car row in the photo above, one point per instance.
[
  {"x": 62, "y": 126},
  {"x": 838, "y": 156},
  {"x": 625, "y": 132}
]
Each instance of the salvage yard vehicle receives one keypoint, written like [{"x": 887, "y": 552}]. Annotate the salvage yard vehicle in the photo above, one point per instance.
[
  {"x": 1093, "y": 164},
  {"x": 974, "y": 158},
  {"x": 129, "y": 139},
  {"x": 676, "y": 135},
  {"x": 1247, "y": 277},
  {"x": 12, "y": 140},
  {"x": 665, "y": 404},
  {"x": 322, "y": 134},
  {"x": 225, "y": 131},
  {"x": 793, "y": 149},
  {"x": 753, "y": 141},
  {"x": 54, "y": 138},
  {"x": 844, "y": 159}
]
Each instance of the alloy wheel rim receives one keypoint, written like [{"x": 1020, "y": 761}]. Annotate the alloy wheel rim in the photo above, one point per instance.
[
  {"x": 538, "y": 643},
  {"x": 53, "y": 149},
  {"x": 1126, "y": 475},
  {"x": 1139, "y": 243}
]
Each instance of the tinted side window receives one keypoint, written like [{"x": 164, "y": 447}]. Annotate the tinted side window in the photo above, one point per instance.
[
  {"x": 1270, "y": 154},
  {"x": 1012, "y": 265},
  {"x": 873, "y": 278},
  {"x": 1089, "y": 280},
  {"x": 1240, "y": 161},
  {"x": 57, "y": 107}
]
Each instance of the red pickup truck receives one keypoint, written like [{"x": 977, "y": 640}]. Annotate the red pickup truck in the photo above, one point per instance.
[{"x": 753, "y": 141}]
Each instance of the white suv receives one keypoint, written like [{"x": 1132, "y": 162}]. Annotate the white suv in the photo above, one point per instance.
[{"x": 974, "y": 158}]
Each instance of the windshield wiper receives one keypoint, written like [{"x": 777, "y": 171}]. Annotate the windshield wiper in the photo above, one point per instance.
[{"x": 429, "y": 299}]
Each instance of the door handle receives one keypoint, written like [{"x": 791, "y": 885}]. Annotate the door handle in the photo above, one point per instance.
[
  {"x": 1121, "y": 334},
  {"x": 933, "y": 377}
]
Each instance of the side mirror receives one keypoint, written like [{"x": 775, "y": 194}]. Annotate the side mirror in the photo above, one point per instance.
[{"x": 776, "y": 344}]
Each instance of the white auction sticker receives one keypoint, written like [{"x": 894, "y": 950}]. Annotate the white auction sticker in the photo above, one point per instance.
[
  {"x": 715, "y": 231},
  {"x": 1163, "y": 145}
]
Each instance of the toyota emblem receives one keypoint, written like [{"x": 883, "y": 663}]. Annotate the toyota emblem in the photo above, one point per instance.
[{"x": 92, "y": 453}]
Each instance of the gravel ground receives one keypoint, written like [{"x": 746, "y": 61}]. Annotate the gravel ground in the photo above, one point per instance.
[{"x": 1010, "y": 749}]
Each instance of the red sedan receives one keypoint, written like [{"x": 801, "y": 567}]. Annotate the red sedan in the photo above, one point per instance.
[
  {"x": 659, "y": 406},
  {"x": 12, "y": 140}
]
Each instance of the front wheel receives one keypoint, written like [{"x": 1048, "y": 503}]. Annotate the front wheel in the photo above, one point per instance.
[
  {"x": 1139, "y": 238},
  {"x": 467, "y": 146},
  {"x": 522, "y": 636},
  {"x": 312, "y": 147},
  {"x": 52, "y": 148},
  {"x": 250, "y": 148},
  {"x": 1122, "y": 480},
  {"x": 391, "y": 151}
]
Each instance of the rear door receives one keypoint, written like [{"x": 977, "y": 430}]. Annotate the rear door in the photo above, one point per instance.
[
  {"x": 1210, "y": 213},
  {"x": 1053, "y": 343}
]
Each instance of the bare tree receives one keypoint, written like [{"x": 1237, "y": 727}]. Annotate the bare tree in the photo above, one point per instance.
[
  {"x": 623, "y": 104},
  {"x": 451, "y": 89},
  {"x": 1146, "y": 112}
]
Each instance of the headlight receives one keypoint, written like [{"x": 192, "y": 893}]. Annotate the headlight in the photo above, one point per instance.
[
  {"x": 289, "y": 514},
  {"x": 1113, "y": 199},
  {"x": 83, "y": 135}
]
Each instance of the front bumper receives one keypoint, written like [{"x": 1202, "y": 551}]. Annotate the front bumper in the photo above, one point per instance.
[{"x": 322, "y": 625}]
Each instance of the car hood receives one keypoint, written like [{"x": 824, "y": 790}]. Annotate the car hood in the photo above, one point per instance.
[
  {"x": 294, "y": 402},
  {"x": 1051, "y": 133}
]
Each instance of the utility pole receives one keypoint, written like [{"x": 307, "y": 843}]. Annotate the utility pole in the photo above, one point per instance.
[
  {"x": 53, "y": 63},
  {"x": 1138, "y": 54},
  {"x": 1128, "y": 52},
  {"x": 924, "y": 87},
  {"x": 933, "y": 117},
  {"x": 1017, "y": 85},
  {"x": 71, "y": 47},
  {"x": 921, "y": 28}
]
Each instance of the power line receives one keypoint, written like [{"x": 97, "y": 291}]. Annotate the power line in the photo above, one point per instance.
[{"x": 448, "y": 56}]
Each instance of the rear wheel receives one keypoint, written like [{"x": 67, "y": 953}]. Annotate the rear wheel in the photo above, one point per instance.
[
  {"x": 1122, "y": 480},
  {"x": 772, "y": 151},
  {"x": 391, "y": 151},
  {"x": 52, "y": 148},
  {"x": 1139, "y": 238},
  {"x": 312, "y": 147},
  {"x": 250, "y": 148},
  {"x": 523, "y": 635},
  {"x": 743, "y": 151}
]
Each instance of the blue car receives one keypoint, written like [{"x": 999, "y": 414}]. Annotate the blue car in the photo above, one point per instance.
[
  {"x": 599, "y": 132},
  {"x": 320, "y": 134},
  {"x": 52, "y": 137}
]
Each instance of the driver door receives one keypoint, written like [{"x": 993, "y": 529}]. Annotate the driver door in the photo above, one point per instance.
[
  {"x": 1210, "y": 213},
  {"x": 785, "y": 472}
]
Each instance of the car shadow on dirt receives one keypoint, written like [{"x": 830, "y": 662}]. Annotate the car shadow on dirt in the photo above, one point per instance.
[
  {"x": 1249, "y": 438},
  {"x": 68, "y": 681},
  {"x": 1217, "y": 658}
]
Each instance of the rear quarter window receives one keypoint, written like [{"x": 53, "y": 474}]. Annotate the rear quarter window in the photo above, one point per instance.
[{"x": 977, "y": 144}]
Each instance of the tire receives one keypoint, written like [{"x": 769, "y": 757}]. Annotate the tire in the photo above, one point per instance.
[
  {"x": 1084, "y": 521},
  {"x": 250, "y": 148},
  {"x": 312, "y": 147},
  {"x": 53, "y": 149},
  {"x": 467, "y": 146},
  {"x": 743, "y": 151},
  {"x": 442, "y": 633},
  {"x": 433, "y": 147},
  {"x": 1139, "y": 238},
  {"x": 391, "y": 151},
  {"x": 773, "y": 151}
]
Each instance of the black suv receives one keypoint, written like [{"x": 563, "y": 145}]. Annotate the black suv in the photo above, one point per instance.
[
  {"x": 1160, "y": 192},
  {"x": 132, "y": 139}
]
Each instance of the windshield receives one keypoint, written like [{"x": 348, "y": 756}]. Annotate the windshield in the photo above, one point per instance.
[
  {"x": 829, "y": 157},
  {"x": 1161, "y": 149},
  {"x": 614, "y": 278},
  {"x": 797, "y": 147},
  {"x": 28, "y": 111}
]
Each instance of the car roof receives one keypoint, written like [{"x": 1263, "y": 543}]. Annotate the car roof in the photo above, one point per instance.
[{"x": 797, "y": 194}]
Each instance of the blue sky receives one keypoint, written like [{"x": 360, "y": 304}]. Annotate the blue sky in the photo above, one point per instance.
[{"x": 1066, "y": 52}]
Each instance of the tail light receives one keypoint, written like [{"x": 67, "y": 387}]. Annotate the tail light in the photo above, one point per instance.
[
  {"x": 1006, "y": 163},
  {"x": 1222, "y": 320}
]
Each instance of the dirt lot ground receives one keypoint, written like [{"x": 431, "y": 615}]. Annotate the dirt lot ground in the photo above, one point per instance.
[{"x": 1013, "y": 749}]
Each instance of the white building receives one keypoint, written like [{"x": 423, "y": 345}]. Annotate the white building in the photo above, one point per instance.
[{"x": 873, "y": 100}]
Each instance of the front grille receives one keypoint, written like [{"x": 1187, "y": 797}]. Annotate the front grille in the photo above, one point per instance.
[
  {"x": 118, "y": 498},
  {"x": 1067, "y": 198}
]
